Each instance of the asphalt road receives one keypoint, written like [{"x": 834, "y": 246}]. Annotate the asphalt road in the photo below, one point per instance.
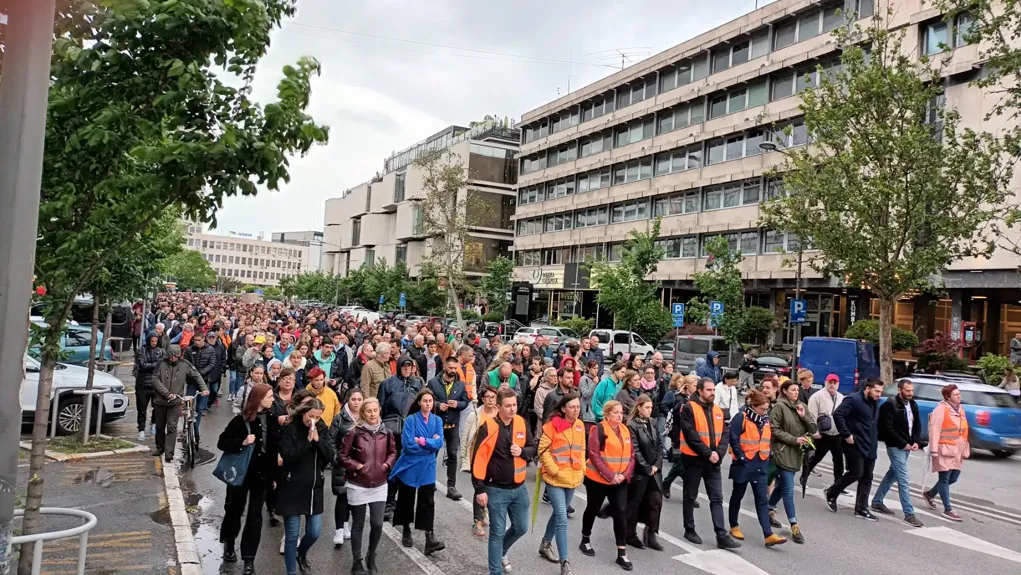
[{"x": 986, "y": 542}]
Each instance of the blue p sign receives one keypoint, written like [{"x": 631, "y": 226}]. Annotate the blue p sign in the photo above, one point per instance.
[
  {"x": 677, "y": 308},
  {"x": 799, "y": 311}
]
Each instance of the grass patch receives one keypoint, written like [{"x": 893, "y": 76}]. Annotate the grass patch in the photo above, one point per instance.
[
  {"x": 71, "y": 444},
  {"x": 23, "y": 454}
]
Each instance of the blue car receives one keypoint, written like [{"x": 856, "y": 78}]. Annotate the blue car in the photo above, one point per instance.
[
  {"x": 75, "y": 343},
  {"x": 853, "y": 360},
  {"x": 994, "y": 418}
]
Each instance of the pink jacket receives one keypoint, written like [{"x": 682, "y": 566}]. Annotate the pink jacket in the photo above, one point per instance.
[{"x": 946, "y": 457}]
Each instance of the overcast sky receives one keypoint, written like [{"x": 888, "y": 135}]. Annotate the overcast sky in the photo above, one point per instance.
[{"x": 383, "y": 88}]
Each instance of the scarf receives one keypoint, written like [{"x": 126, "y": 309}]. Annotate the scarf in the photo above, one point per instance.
[
  {"x": 755, "y": 418},
  {"x": 648, "y": 385},
  {"x": 372, "y": 428},
  {"x": 559, "y": 423},
  {"x": 347, "y": 410}
]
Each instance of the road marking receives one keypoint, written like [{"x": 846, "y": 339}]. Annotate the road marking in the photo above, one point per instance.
[
  {"x": 414, "y": 554},
  {"x": 952, "y": 537},
  {"x": 720, "y": 562}
]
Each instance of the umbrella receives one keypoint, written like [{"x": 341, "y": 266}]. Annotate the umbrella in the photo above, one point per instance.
[{"x": 808, "y": 450}]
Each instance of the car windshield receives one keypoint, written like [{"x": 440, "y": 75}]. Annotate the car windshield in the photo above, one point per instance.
[
  {"x": 983, "y": 399},
  {"x": 772, "y": 361},
  {"x": 568, "y": 333}
]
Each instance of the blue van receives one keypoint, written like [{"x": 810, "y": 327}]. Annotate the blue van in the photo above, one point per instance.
[{"x": 853, "y": 360}]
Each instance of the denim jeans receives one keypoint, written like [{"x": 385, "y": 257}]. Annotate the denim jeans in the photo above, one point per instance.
[
  {"x": 235, "y": 382},
  {"x": 761, "y": 505},
  {"x": 899, "y": 471},
  {"x": 501, "y": 503},
  {"x": 946, "y": 479},
  {"x": 560, "y": 498},
  {"x": 786, "y": 490},
  {"x": 292, "y": 527}
]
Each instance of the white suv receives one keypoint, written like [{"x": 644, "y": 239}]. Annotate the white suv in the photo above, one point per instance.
[
  {"x": 555, "y": 335},
  {"x": 70, "y": 411},
  {"x": 615, "y": 343}
]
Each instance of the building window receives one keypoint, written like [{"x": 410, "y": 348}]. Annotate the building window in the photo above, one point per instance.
[
  {"x": 727, "y": 56},
  {"x": 598, "y": 107},
  {"x": 636, "y": 92},
  {"x": 530, "y": 195},
  {"x": 593, "y": 253},
  {"x": 935, "y": 40},
  {"x": 678, "y": 161},
  {"x": 566, "y": 119},
  {"x": 793, "y": 134},
  {"x": 370, "y": 257},
  {"x": 629, "y": 211},
  {"x": 753, "y": 94},
  {"x": 530, "y": 258},
  {"x": 555, "y": 256},
  {"x": 632, "y": 171},
  {"x": 401, "y": 253},
  {"x": 733, "y": 148},
  {"x": 591, "y": 217},
  {"x": 558, "y": 222},
  {"x": 594, "y": 180},
  {"x": 560, "y": 188},
  {"x": 616, "y": 251},
  {"x": 785, "y": 34},
  {"x": 963, "y": 24},
  {"x": 635, "y": 131},
  {"x": 530, "y": 227},
  {"x": 356, "y": 232},
  {"x": 563, "y": 154},
  {"x": 681, "y": 116},
  {"x": 399, "y": 187},
  {"x": 596, "y": 143},
  {"x": 677, "y": 248},
  {"x": 676, "y": 204},
  {"x": 533, "y": 163}
]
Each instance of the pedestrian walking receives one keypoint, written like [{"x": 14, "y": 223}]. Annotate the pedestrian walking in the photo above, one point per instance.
[
  {"x": 728, "y": 397},
  {"x": 827, "y": 439},
  {"x": 171, "y": 380},
  {"x": 683, "y": 386},
  {"x": 148, "y": 357},
  {"x": 805, "y": 380},
  {"x": 256, "y": 427},
  {"x": 607, "y": 389},
  {"x": 451, "y": 400},
  {"x": 948, "y": 434},
  {"x": 395, "y": 395},
  {"x": 644, "y": 490},
  {"x": 587, "y": 386},
  {"x": 857, "y": 421},
  {"x": 750, "y": 436},
  {"x": 415, "y": 471},
  {"x": 306, "y": 450},
  {"x": 562, "y": 462},
  {"x": 901, "y": 430},
  {"x": 342, "y": 424},
  {"x": 704, "y": 430},
  {"x": 502, "y": 448},
  {"x": 367, "y": 454},
  {"x": 611, "y": 463},
  {"x": 628, "y": 394},
  {"x": 476, "y": 418},
  {"x": 790, "y": 427},
  {"x": 318, "y": 388}
]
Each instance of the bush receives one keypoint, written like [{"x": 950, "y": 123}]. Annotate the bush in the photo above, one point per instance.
[
  {"x": 493, "y": 316},
  {"x": 578, "y": 325},
  {"x": 868, "y": 330},
  {"x": 756, "y": 323},
  {"x": 654, "y": 321},
  {"x": 993, "y": 367},
  {"x": 932, "y": 362},
  {"x": 469, "y": 315}
]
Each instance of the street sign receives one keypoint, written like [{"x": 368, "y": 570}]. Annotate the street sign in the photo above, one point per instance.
[
  {"x": 677, "y": 311},
  {"x": 258, "y": 292},
  {"x": 381, "y": 300},
  {"x": 715, "y": 311},
  {"x": 799, "y": 311},
  {"x": 403, "y": 300}
]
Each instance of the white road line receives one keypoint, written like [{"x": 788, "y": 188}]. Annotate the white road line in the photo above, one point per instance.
[
  {"x": 958, "y": 539},
  {"x": 414, "y": 554},
  {"x": 719, "y": 562}
]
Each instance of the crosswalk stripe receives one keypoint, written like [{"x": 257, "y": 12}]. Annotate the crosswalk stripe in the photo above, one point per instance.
[{"x": 963, "y": 540}]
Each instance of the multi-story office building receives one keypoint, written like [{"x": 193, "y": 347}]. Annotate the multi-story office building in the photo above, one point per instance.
[
  {"x": 678, "y": 136},
  {"x": 382, "y": 218},
  {"x": 251, "y": 260},
  {"x": 311, "y": 239}
]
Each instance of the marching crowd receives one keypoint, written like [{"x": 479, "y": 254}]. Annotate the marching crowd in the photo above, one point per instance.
[{"x": 315, "y": 392}]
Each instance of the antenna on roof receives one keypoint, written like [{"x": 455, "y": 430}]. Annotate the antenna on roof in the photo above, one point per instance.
[{"x": 626, "y": 55}]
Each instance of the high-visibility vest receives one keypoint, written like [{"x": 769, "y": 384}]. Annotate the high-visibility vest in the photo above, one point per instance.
[
  {"x": 485, "y": 452},
  {"x": 950, "y": 432},
  {"x": 616, "y": 453},
  {"x": 702, "y": 427},
  {"x": 467, "y": 374},
  {"x": 567, "y": 447},
  {"x": 753, "y": 443}
]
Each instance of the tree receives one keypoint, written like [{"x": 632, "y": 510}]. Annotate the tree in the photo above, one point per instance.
[
  {"x": 227, "y": 284},
  {"x": 449, "y": 210},
  {"x": 623, "y": 288},
  {"x": 139, "y": 121},
  {"x": 720, "y": 282},
  {"x": 868, "y": 330},
  {"x": 893, "y": 189},
  {"x": 496, "y": 284},
  {"x": 424, "y": 294},
  {"x": 190, "y": 270},
  {"x": 756, "y": 324}
]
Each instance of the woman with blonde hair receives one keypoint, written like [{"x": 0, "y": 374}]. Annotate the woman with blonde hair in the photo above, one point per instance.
[
  {"x": 562, "y": 464},
  {"x": 611, "y": 461},
  {"x": 645, "y": 490}
]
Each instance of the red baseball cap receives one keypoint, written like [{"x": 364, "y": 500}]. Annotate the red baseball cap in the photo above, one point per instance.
[{"x": 832, "y": 377}]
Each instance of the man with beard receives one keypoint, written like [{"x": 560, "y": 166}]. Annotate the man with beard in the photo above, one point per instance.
[
  {"x": 451, "y": 400},
  {"x": 395, "y": 397}
]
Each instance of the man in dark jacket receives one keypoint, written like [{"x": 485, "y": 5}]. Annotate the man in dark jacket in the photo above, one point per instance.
[
  {"x": 147, "y": 359},
  {"x": 173, "y": 378},
  {"x": 419, "y": 353},
  {"x": 203, "y": 357},
  {"x": 220, "y": 353},
  {"x": 857, "y": 421},
  {"x": 901, "y": 429},
  {"x": 354, "y": 371},
  {"x": 396, "y": 394},
  {"x": 705, "y": 446},
  {"x": 451, "y": 400}
]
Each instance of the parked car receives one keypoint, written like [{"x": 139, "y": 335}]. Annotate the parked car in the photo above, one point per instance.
[
  {"x": 76, "y": 342},
  {"x": 71, "y": 409},
  {"x": 994, "y": 418},
  {"x": 688, "y": 348},
  {"x": 81, "y": 314},
  {"x": 616, "y": 342},
  {"x": 556, "y": 335},
  {"x": 666, "y": 347},
  {"x": 771, "y": 364},
  {"x": 360, "y": 313},
  {"x": 852, "y": 360}
]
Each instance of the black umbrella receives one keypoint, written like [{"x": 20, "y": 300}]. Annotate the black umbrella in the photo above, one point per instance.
[{"x": 806, "y": 457}]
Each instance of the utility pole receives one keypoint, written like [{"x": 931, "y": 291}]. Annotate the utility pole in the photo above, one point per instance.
[
  {"x": 797, "y": 296},
  {"x": 23, "y": 99}
]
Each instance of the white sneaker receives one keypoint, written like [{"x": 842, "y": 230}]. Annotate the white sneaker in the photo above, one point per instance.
[
  {"x": 338, "y": 536},
  {"x": 283, "y": 539},
  {"x": 347, "y": 529},
  {"x": 506, "y": 565},
  {"x": 141, "y": 436}
]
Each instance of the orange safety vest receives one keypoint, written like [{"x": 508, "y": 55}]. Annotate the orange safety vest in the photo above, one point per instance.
[
  {"x": 616, "y": 453},
  {"x": 752, "y": 442},
  {"x": 567, "y": 452},
  {"x": 485, "y": 451},
  {"x": 467, "y": 374},
  {"x": 702, "y": 427},
  {"x": 949, "y": 432}
]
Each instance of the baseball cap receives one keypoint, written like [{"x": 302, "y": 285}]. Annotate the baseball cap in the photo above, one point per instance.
[{"x": 832, "y": 377}]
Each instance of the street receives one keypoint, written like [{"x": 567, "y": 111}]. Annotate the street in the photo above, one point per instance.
[{"x": 985, "y": 542}]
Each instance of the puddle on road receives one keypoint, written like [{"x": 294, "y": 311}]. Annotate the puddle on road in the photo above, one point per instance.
[{"x": 95, "y": 476}]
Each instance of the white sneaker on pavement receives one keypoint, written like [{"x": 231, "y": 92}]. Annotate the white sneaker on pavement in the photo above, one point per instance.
[
  {"x": 338, "y": 536},
  {"x": 347, "y": 529},
  {"x": 282, "y": 541},
  {"x": 141, "y": 436}
]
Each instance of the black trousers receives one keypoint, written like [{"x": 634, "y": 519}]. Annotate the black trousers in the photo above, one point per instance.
[
  {"x": 616, "y": 496},
  {"x": 644, "y": 503},
  {"x": 452, "y": 442},
  {"x": 358, "y": 525},
  {"x": 833, "y": 445},
  {"x": 697, "y": 471},
  {"x": 271, "y": 498},
  {"x": 341, "y": 510},
  {"x": 143, "y": 397},
  {"x": 408, "y": 512},
  {"x": 165, "y": 417},
  {"x": 860, "y": 469},
  {"x": 676, "y": 469},
  {"x": 392, "y": 484},
  {"x": 234, "y": 508}
]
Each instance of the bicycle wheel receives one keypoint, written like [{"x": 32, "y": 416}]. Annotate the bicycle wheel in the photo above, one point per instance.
[{"x": 189, "y": 441}]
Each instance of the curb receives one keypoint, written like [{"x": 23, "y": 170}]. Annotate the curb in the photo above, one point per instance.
[
  {"x": 184, "y": 539},
  {"x": 62, "y": 457}
]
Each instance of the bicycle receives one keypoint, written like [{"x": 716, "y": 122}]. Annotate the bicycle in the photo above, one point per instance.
[{"x": 190, "y": 445}]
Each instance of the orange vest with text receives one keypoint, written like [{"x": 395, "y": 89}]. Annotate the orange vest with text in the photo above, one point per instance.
[
  {"x": 467, "y": 374},
  {"x": 702, "y": 427},
  {"x": 616, "y": 453},
  {"x": 518, "y": 437},
  {"x": 753, "y": 443}
]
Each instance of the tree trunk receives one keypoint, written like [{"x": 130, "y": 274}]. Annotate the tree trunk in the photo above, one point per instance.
[
  {"x": 32, "y": 523},
  {"x": 453, "y": 290},
  {"x": 108, "y": 326},
  {"x": 91, "y": 375},
  {"x": 886, "y": 305}
]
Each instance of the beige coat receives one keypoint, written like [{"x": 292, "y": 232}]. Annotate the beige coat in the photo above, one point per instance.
[{"x": 946, "y": 457}]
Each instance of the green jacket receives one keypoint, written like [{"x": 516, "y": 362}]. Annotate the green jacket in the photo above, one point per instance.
[
  {"x": 605, "y": 391},
  {"x": 787, "y": 427},
  {"x": 494, "y": 379}
]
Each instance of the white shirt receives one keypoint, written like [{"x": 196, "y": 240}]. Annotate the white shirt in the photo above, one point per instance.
[
  {"x": 911, "y": 417},
  {"x": 727, "y": 399}
]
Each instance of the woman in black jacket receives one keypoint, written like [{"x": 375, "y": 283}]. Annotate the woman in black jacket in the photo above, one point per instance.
[
  {"x": 645, "y": 491},
  {"x": 306, "y": 450},
  {"x": 342, "y": 424},
  {"x": 256, "y": 427}
]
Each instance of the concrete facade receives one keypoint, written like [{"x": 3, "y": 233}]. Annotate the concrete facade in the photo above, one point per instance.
[
  {"x": 251, "y": 260},
  {"x": 311, "y": 239}
]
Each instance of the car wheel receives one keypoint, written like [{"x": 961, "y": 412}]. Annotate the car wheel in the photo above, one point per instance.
[
  {"x": 70, "y": 414},
  {"x": 1003, "y": 453}
]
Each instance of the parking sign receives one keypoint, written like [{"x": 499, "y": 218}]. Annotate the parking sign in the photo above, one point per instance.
[
  {"x": 677, "y": 311},
  {"x": 799, "y": 311},
  {"x": 715, "y": 311}
]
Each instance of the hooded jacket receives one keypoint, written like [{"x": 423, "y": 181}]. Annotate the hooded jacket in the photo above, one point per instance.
[
  {"x": 395, "y": 397},
  {"x": 709, "y": 369},
  {"x": 147, "y": 359},
  {"x": 335, "y": 367}
]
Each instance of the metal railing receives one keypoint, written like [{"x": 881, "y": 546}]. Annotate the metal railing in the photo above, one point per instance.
[{"x": 81, "y": 532}]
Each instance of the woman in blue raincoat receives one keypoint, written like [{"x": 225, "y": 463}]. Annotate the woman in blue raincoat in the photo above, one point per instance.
[{"x": 415, "y": 471}]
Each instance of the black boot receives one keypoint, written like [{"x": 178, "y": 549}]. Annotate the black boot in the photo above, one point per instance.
[
  {"x": 357, "y": 568},
  {"x": 651, "y": 541},
  {"x": 304, "y": 567},
  {"x": 388, "y": 511},
  {"x": 406, "y": 539},
  {"x": 274, "y": 521},
  {"x": 372, "y": 564},
  {"x": 432, "y": 544},
  {"x": 453, "y": 494},
  {"x": 635, "y": 542},
  {"x": 249, "y": 568},
  {"x": 229, "y": 555}
]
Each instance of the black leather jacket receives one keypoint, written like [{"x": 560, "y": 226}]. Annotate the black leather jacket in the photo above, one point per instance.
[{"x": 147, "y": 359}]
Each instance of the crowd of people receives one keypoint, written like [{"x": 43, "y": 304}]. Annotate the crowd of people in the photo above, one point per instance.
[{"x": 315, "y": 392}]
